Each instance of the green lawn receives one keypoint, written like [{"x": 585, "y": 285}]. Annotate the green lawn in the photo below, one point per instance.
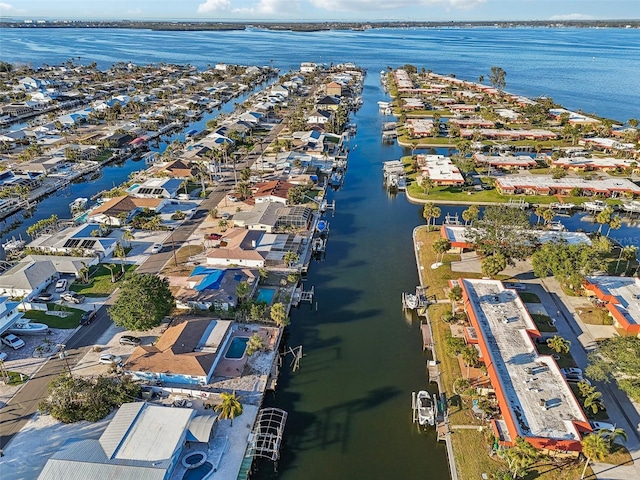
[
  {"x": 53, "y": 321},
  {"x": 107, "y": 154},
  {"x": 543, "y": 322},
  {"x": 15, "y": 379},
  {"x": 100, "y": 281}
]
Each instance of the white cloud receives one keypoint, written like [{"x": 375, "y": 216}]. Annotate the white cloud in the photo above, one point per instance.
[
  {"x": 572, "y": 16},
  {"x": 8, "y": 9},
  {"x": 214, "y": 6},
  {"x": 369, "y": 5},
  {"x": 271, "y": 7}
]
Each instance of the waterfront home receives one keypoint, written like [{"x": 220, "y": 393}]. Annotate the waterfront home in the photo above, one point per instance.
[
  {"x": 333, "y": 89},
  {"x": 419, "y": 127},
  {"x": 273, "y": 191},
  {"x": 186, "y": 353},
  {"x": 547, "y": 185},
  {"x": 328, "y": 103},
  {"x": 143, "y": 441},
  {"x": 499, "y": 134},
  {"x": 158, "y": 188},
  {"x": 9, "y": 314},
  {"x": 116, "y": 211},
  {"x": 472, "y": 122},
  {"x": 210, "y": 287},
  {"x": 461, "y": 237},
  {"x": 254, "y": 249},
  {"x": 574, "y": 118},
  {"x": 81, "y": 240},
  {"x": 16, "y": 109},
  {"x": 270, "y": 216},
  {"x": 608, "y": 145},
  {"x": 440, "y": 169},
  {"x": 28, "y": 278},
  {"x": 505, "y": 162},
  {"x": 318, "y": 117},
  {"x": 45, "y": 165},
  {"x": 603, "y": 164},
  {"x": 536, "y": 402},
  {"x": 620, "y": 296},
  {"x": 175, "y": 169}
]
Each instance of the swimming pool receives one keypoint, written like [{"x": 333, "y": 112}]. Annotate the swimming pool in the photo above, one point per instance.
[
  {"x": 266, "y": 295},
  {"x": 236, "y": 348},
  {"x": 198, "y": 472}
]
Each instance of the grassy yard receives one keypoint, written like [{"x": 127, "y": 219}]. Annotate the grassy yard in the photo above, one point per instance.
[
  {"x": 543, "y": 322},
  {"x": 16, "y": 379},
  {"x": 100, "y": 284},
  {"x": 54, "y": 321},
  {"x": 565, "y": 360}
]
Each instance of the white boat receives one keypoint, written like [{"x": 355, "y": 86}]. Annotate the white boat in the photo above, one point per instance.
[
  {"x": 426, "y": 408},
  {"x": 13, "y": 245},
  {"x": 557, "y": 226},
  {"x": 78, "y": 204},
  {"x": 318, "y": 245},
  {"x": 595, "y": 206},
  {"x": 25, "y": 327},
  {"x": 632, "y": 207},
  {"x": 562, "y": 206},
  {"x": 410, "y": 300}
]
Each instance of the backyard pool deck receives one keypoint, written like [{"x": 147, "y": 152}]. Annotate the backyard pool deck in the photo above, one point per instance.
[{"x": 235, "y": 367}]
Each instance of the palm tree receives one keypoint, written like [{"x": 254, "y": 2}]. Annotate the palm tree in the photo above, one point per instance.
[
  {"x": 278, "y": 314},
  {"x": 628, "y": 253},
  {"x": 470, "y": 215},
  {"x": 614, "y": 434},
  {"x": 539, "y": 211},
  {"x": 521, "y": 456},
  {"x": 254, "y": 344},
  {"x": 455, "y": 295},
  {"x": 615, "y": 223},
  {"x": 548, "y": 215},
  {"x": 120, "y": 253},
  {"x": 127, "y": 236},
  {"x": 84, "y": 273},
  {"x": 430, "y": 211},
  {"x": 594, "y": 402},
  {"x": 111, "y": 267},
  {"x": 559, "y": 344},
  {"x": 441, "y": 246},
  {"x": 470, "y": 357},
  {"x": 604, "y": 217},
  {"x": 230, "y": 407},
  {"x": 427, "y": 184},
  {"x": 594, "y": 447}
]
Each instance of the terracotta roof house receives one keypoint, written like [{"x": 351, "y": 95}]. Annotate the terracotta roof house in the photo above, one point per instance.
[
  {"x": 111, "y": 211},
  {"x": 274, "y": 191},
  {"x": 333, "y": 89},
  {"x": 186, "y": 353},
  {"x": 621, "y": 296},
  {"x": 177, "y": 169},
  {"x": 237, "y": 247}
]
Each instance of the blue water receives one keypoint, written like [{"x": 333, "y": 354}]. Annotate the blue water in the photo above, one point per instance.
[
  {"x": 237, "y": 347},
  {"x": 198, "y": 473},
  {"x": 265, "y": 295}
]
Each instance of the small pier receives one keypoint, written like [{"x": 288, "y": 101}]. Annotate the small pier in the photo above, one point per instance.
[
  {"x": 519, "y": 203},
  {"x": 300, "y": 295},
  {"x": 427, "y": 344}
]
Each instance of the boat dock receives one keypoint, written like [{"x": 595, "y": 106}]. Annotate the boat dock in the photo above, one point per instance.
[
  {"x": 427, "y": 344},
  {"x": 300, "y": 295}
]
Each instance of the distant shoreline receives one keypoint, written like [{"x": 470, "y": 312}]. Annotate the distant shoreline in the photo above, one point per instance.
[{"x": 192, "y": 25}]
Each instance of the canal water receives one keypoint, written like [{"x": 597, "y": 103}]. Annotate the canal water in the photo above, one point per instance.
[{"x": 349, "y": 403}]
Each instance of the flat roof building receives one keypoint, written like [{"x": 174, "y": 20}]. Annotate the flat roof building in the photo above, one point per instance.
[
  {"x": 622, "y": 298},
  {"x": 547, "y": 185},
  {"x": 440, "y": 169},
  {"x": 535, "y": 400}
]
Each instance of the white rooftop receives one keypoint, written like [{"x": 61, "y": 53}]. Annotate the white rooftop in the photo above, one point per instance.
[
  {"x": 458, "y": 234},
  {"x": 547, "y": 181},
  {"x": 626, "y": 290},
  {"x": 440, "y": 168},
  {"x": 540, "y": 401}
]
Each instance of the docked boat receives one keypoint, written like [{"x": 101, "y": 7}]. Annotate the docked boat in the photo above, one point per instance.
[
  {"x": 13, "y": 245},
  {"x": 410, "y": 301},
  {"x": 25, "y": 327},
  {"x": 336, "y": 179},
  {"x": 595, "y": 206},
  {"x": 632, "y": 207},
  {"x": 562, "y": 206},
  {"x": 78, "y": 205},
  {"x": 318, "y": 245},
  {"x": 557, "y": 226},
  {"x": 426, "y": 408}
]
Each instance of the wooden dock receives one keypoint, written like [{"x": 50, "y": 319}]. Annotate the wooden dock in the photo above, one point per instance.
[{"x": 427, "y": 340}]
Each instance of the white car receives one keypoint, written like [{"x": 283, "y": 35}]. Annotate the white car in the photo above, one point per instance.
[
  {"x": 13, "y": 341},
  {"x": 109, "y": 358},
  {"x": 603, "y": 426},
  {"x": 61, "y": 285},
  {"x": 157, "y": 248},
  {"x": 3, "y": 356}
]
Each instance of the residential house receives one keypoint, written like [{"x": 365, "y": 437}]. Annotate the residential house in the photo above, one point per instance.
[
  {"x": 175, "y": 169},
  {"x": 9, "y": 314},
  {"x": 186, "y": 353},
  {"x": 210, "y": 287},
  {"x": 28, "y": 278},
  {"x": 620, "y": 296},
  {"x": 328, "y": 103},
  {"x": 116, "y": 211},
  {"x": 82, "y": 240},
  {"x": 319, "y": 117},
  {"x": 333, "y": 89},
  {"x": 143, "y": 441},
  {"x": 273, "y": 191},
  {"x": 158, "y": 188}
]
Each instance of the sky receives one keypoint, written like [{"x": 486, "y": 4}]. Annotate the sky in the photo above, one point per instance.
[{"x": 322, "y": 10}]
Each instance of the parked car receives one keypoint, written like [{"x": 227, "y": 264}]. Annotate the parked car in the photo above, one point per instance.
[
  {"x": 12, "y": 341},
  {"x": 232, "y": 198},
  {"x": 3, "y": 356},
  {"x": 571, "y": 371},
  {"x": 72, "y": 297},
  {"x": 87, "y": 317},
  {"x": 603, "y": 426},
  {"x": 157, "y": 248},
  {"x": 43, "y": 298},
  {"x": 129, "y": 340},
  {"x": 109, "y": 358},
  {"x": 61, "y": 285},
  {"x": 226, "y": 216},
  {"x": 212, "y": 236}
]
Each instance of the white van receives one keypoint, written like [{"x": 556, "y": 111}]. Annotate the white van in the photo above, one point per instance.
[{"x": 61, "y": 285}]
